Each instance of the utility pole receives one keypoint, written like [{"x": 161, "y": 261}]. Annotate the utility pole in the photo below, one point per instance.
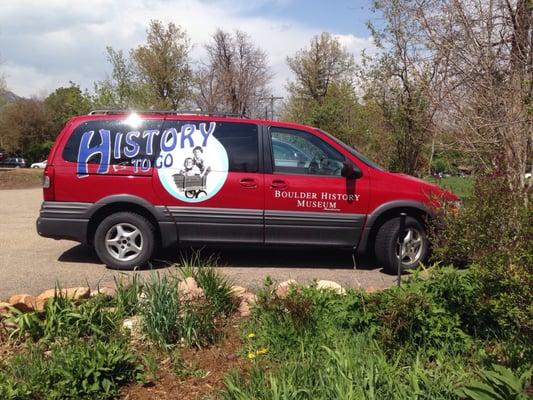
[{"x": 272, "y": 99}]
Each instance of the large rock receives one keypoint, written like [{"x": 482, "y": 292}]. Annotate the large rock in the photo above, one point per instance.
[
  {"x": 237, "y": 291},
  {"x": 189, "y": 290},
  {"x": 330, "y": 285},
  {"x": 248, "y": 297},
  {"x": 75, "y": 293},
  {"x": 134, "y": 326},
  {"x": 282, "y": 290},
  {"x": 108, "y": 291},
  {"x": 246, "y": 300},
  {"x": 27, "y": 303},
  {"x": 244, "y": 309}
]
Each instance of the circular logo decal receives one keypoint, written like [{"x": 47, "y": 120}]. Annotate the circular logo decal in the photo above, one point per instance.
[{"x": 193, "y": 164}]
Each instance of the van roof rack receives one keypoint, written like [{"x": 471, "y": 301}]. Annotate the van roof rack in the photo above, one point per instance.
[{"x": 169, "y": 112}]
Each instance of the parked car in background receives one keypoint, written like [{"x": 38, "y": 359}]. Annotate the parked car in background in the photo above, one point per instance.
[
  {"x": 13, "y": 162},
  {"x": 41, "y": 164}
]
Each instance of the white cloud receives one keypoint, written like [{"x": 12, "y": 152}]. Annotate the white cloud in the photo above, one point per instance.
[{"x": 46, "y": 44}]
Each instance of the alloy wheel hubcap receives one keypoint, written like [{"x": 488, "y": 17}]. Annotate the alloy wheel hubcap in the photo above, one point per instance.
[
  {"x": 412, "y": 247},
  {"x": 124, "y": 241}
]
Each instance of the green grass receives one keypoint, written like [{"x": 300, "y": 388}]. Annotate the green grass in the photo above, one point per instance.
[
  {"x": 461, "y": 186},
  {"x": 217, "y": 287},
  {"x": 348, "y": 367},
  {"x": 160, "y": 308}
]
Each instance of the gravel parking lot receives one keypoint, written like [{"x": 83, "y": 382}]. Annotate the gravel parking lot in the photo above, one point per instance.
[{"x": 30, "y": 263}]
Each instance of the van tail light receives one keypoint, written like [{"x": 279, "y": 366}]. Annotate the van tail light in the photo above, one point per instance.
[{"x": 48, "y": 183}]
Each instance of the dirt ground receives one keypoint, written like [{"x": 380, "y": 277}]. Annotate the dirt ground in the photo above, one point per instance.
[
  {"x": 20, "y": 178},
  {"x": 209, "y": 366},
  {"x": 30, "y": 263}
]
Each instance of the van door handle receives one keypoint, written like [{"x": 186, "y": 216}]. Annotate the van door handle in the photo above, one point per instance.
[
  {"x": 248, "y": 183},
  {"x": 278, "y": 184}
]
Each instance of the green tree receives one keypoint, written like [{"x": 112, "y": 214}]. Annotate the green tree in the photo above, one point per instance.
[
  {"x": 156, "y": 74},
  {"x": 122, "y": 89},
  {"x": 25, "y": 129},
  {"x": 323, "y": 94},
  {"x": 319, "y": 66},
  {"x": 399, "y": 80},
  {"x": 64, "y": 103},
  {"x": 162, "y": 64}
]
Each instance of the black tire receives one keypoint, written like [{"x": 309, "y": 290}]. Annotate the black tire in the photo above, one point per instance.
[
  {"x": 133, "y": 259},
  {"x": 386, "y": 244}
]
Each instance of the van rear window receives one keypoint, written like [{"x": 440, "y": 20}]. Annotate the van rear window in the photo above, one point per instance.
[
  {"x": 240, "y": 140},
  {"x": 120, "y": 150}
]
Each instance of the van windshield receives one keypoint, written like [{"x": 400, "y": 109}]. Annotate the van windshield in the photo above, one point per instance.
[{"x": 354, "y": 152}]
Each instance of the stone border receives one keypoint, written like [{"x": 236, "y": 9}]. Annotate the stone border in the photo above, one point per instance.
[{"x": 188, "y": 291}]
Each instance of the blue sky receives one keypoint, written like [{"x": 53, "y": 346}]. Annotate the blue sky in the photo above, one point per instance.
[
  {"x": 339, "y": 16},
  {"x": 46, "y": 44}
]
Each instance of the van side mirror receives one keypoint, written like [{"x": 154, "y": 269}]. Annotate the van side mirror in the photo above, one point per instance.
[{"x": 351, "y": 171}]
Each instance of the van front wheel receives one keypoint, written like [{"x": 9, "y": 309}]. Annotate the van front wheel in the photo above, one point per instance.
[
  {"x": 415, "y": 248},
  {"x": 124, "y": 241}
]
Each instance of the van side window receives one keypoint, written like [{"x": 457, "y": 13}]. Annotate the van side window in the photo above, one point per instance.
[
  {"x": 116, "y": 126},
  {"x": 300, "y": 152},
  {"x": 240, "y": 141}
]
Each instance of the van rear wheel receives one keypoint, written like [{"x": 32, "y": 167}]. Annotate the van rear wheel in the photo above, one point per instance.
[
  {"x": 124, "y": 241},
  {"x": 415, "y": 248}
]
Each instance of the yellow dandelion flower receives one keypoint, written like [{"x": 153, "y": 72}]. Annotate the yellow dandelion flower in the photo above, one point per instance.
[
  {"x": 251, "y": 335},
  {"x": 251, "y": 355},
  {"x": 262, "y": 350}
]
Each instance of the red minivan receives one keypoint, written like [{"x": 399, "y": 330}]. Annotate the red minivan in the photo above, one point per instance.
[{"x": 129, "y": 182}]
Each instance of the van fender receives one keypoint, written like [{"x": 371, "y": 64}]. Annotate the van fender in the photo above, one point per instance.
[
  {"x": 400, "y": 205},
  {"x": 161, "y": 215}
]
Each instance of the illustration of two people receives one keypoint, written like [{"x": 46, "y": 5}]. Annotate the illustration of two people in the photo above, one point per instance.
[{"x": 195, "y": 165}]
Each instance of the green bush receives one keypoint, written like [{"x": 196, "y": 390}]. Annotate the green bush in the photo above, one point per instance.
[
  {"x": 416, "y": 315},
  {"x": 412, "y": 317},
  {"x": 421, "y": 340},
  {"x": 495, "y": 219},
  {"x": 73, "y": 370}
]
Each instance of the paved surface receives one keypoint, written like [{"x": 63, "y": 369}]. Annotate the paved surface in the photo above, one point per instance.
[{"x": 31, "y": 264}]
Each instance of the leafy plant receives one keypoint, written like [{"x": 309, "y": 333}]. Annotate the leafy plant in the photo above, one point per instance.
[
  {"x": 62, "y": 317},
  {"x": 183, "y": 369},
  {"x": 500, "y": 383},
  {"x": 27, "y": 324},
  {"x": 73, "y": 370}
]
